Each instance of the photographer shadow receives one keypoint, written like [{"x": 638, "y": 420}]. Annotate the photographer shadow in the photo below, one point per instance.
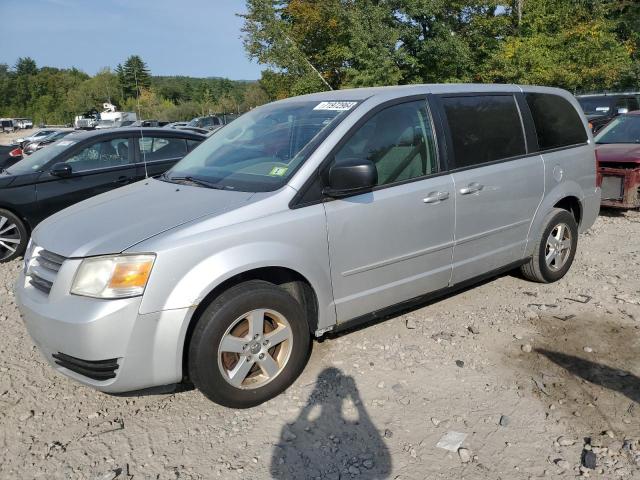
[{"x": 323, "y": 442}]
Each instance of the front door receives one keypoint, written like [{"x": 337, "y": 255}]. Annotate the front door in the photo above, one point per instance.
[
  {"x": 498, "y": 187},
  {"x": 394, "y": 243},
  {"x": 96, "y": 168}
]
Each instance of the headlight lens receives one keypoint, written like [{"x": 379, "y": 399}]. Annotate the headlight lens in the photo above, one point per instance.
[{"x": 117, "y": 276}]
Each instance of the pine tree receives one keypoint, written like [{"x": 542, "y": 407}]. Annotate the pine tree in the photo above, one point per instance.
[{"x": 134, "y": 76}]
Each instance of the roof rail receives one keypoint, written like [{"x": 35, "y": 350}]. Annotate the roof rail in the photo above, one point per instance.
[{"x": 605, "y": 94}]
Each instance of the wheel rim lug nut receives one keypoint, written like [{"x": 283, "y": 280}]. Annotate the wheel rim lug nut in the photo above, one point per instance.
[
  {"x": 261, "y": 356},
  {"x": 265, "y": 343}
]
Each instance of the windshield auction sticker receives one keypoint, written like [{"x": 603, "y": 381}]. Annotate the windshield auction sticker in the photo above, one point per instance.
[
  {"x": 336, "y": 106},
  {"x": 65, "y": 143},
  {"x": 278, "y": 171}
]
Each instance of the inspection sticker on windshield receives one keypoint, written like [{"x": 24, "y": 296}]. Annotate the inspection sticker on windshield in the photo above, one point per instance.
[
  {"x": 64, "y": 143},
  {"x": 278, "y": 171},
  {"x": 336, "y": 106}
]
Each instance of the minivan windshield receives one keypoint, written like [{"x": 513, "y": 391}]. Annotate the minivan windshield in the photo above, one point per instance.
[
  {"x": 39, "y": 158},
  {"x": 622, "y": 129},
  {"x": 260, "y": 151}
]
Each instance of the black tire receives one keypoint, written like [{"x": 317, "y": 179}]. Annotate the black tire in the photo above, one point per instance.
[
  {"x": 18, "y": 233},
  {"x": 536, "y": 269},
  {"x": 213, "y": 324}
]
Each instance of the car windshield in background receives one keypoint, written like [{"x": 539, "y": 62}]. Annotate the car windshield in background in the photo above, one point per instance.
[
  {"x": 623, "y": 129},
  {"x": 260, "y": 150},
  {"x": 595, "y": 105},
  {"x": 40, "y": 158}
]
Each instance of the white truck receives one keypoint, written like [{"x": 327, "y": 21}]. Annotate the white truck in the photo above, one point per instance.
[{"x": 108, "y": 118}]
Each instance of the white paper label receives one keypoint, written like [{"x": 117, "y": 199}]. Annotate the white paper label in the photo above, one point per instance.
[
  {"x": 335, "y": 106},
  {"x": 64, "y": 143}
]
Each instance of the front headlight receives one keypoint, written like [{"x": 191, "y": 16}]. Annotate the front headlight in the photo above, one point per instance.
[{"x": 117, "y": 276}]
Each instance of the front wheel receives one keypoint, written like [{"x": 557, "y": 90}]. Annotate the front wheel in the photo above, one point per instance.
[
  {"x": 13, "y": 236},
  {"x": 555, "y": 250},
  {"x": 249, "y": 345}
]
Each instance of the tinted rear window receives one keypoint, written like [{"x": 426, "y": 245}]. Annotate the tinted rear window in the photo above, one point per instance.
[
  {"x": 484, "y": 128},
  {"x": 557, "y": 123}
]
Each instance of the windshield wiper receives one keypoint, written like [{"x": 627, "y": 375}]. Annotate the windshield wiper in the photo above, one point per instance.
[{"x": 195, "y": 180}]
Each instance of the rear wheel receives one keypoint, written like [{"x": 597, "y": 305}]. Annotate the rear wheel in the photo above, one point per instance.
[
  {"x": 249, "y": 345},
  {"x": 555, "y": 250},
  {"x": 13, "y": 236}
]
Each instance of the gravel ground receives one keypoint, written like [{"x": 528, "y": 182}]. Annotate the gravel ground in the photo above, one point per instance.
[{"x": 540, "y": 378}]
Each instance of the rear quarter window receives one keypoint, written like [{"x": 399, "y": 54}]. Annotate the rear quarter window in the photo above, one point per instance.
[{"x": 557, "y": 123}]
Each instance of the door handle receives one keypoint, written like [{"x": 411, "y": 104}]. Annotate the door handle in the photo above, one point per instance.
[
  {"x": 471, "y": 188},
  {"x": 436, "y": 197},
  {"x": 122, "y": 180}
]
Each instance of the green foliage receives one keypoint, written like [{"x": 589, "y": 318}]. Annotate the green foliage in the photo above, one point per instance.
[
  {"x": 575, "y": 44},
  {"x": 56, "y": 96},
  {"x": 569, "y": 44},
  {"x": 133, "y": 76}
]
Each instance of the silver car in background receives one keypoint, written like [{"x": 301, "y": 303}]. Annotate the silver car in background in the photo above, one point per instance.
[{"x": 302, "y": 217}]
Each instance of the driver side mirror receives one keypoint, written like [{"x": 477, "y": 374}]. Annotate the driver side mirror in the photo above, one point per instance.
[
  {"x": 352, "y": 176},
  {"x": 62, "y": 170}
]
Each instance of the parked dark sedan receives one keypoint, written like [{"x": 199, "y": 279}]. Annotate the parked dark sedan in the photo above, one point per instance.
[{"x": 78, "y": 167}]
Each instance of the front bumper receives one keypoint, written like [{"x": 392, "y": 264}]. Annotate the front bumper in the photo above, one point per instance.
[
  {"x": 147, "y": 348},
  {"x": 622, "y": 187}
]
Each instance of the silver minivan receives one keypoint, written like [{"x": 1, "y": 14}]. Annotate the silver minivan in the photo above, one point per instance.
[{"x": 302, "y": 217}]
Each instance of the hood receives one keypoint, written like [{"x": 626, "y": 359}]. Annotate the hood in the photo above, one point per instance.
[
  {"x": 117, "y": 220},
  {"x": 618, "y": 153},
  {"x": 16, "y": 180}
]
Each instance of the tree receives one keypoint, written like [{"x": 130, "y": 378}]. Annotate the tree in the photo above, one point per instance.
[
  {"x": 576, "y": 44},
  {"x": 133, "y": 76},
  {"x": 570, "y": 45}
]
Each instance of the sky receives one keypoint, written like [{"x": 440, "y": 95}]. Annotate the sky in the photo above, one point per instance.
[{"x": 199, "y": 38}]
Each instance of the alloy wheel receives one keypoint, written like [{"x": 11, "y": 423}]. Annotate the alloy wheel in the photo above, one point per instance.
[
  {"x": 558, "y": 247},
  {"x": 255, "y": 349},
  {"x": 9, "y": 238}
]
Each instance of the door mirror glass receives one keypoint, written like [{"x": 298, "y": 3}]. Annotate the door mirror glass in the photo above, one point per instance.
[
  {"x": 61, "y": 170},
  {"x": 351, "y": 176}
]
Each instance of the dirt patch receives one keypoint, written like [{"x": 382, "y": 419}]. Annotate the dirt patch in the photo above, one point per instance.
[
  {"x": 588, "y": 368},
  {"x": 375, "y": 402}
]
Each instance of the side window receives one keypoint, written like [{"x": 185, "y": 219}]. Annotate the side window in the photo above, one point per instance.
[
  {"x": 399, "y": 140},
  {"x": 162, "y": 148},
  {"x": 484, "y": 128},
  {"x": 110, "y": 153},
  {"x": 557, "y": 123},
  {"x": 191, "y": 144}
]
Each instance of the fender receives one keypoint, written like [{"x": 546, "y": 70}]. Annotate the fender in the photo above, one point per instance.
[
  {"x": 200, "y": 280},
  {"x": 565, "y": 189}
]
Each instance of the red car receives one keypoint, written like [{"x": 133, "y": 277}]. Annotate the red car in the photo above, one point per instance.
[{"x": 618, "y": 154}]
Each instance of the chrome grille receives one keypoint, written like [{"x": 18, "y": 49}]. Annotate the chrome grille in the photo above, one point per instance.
[{"x": 43, "y": 269}]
